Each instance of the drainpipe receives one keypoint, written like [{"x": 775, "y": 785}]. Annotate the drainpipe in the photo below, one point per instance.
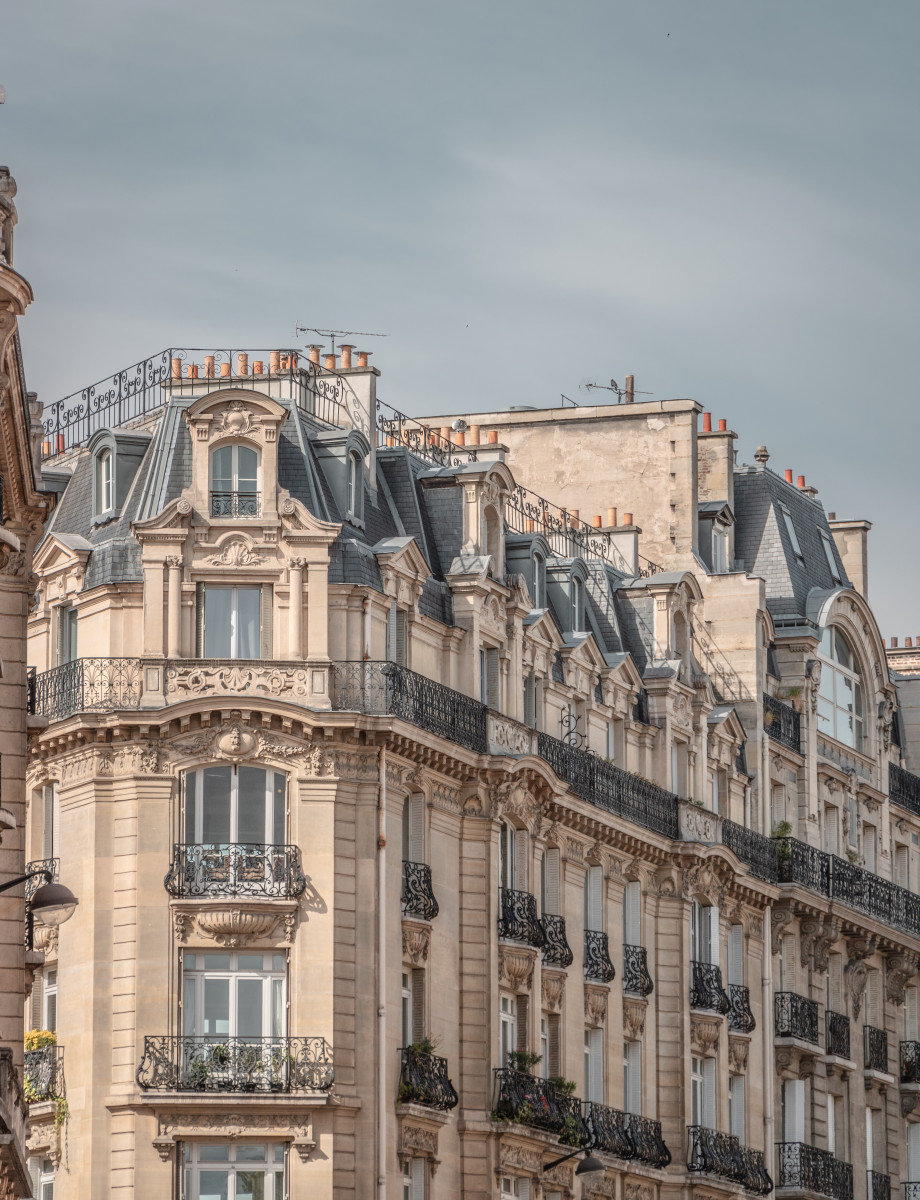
[
  {"x": 381, "y": 981},
  {"x": 367, "y": 628},
  {"x": 768, "y": 1066}
]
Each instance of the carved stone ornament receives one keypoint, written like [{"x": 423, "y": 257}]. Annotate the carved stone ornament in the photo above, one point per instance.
[
  {"x": 552, "y": 984},
  {"x": 857, "y": 975},
  {"x": 632, "y": 1191},
  {"x": 515, "y": 1156},
  {"x": 664, "y": 881},
  {"x": 704, "y": 1033},
  {"x": 634, "y": 1011},
  {"x": 595, "y": 1005},
  {"x": 228, "y": 1126},
  {"x": 193, "y": 679},
  {"x": 899, "y": 970},
  {"x": 417, "y": 1141},
  {"x": 704, "y": 880},
  {"x": 818, "y": 935},
  {"x": 813, "y": 673},
  {"x": 416, "y": 942},
  {"x": 236, "y": 554},
  {"x": 515, "y": 967},
  {"x": 738, "y": 1054},
  {"x": 512, "y": 799},
  {"x": 45, "y": 938},
  {"x": 910, "y": 1103},
  {"x": 237, "y": 420},
  {"x": 783, "y": 915},
  {"x": 234, "y": 927}
]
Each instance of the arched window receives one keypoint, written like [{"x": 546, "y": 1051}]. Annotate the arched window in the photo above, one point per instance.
[
  {"x": 234, "y": 481},
  {"x": 539, "y": 580},
  {"x": 105, "y": 492},
  {"x": 354, "y": 497},
  {"x": 840, "y": 695}
]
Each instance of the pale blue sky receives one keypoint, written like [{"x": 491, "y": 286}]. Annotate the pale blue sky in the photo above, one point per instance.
[{"x": 719, "y": 196}]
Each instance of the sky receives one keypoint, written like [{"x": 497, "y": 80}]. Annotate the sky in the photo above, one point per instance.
[{"x": 717, "y": 196}]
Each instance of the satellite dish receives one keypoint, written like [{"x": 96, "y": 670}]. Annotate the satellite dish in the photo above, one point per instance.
[{"x": 459, "y": 426}]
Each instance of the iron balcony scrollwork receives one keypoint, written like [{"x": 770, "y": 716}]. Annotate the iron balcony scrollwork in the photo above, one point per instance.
[
  {"x": 912, "y": 1190},
  {"x": 740, "y": 1017},
  {"x": 235, "y": 504},
  {"x": 647, "y": 1142},
  {"x": 607, "y": 1128},
  {"x": 878, "y": 1186},
  {"x": 837, "y": 1034},
  {"x": 539, "y": 1103},
  {"x": 706, "y": 990},
  {"x": 809, "y": 1169},
  {"x": 795, "y": 1016},
  {"x": 756, "y": 1177},
  {"x": 909, "y": 1062},
  {"x": 556, "y": 949},
  {"x": 904, "y": 788},
  {"x": 43, "y": 1074},
  {"x": 423, "y": 1079},
  {"x": 598, "y": 966},
  {"x": 636, "y": 979},
  {"x": 208, "y": 1063},
  {"x": 89, "y": 685},
  {"x": 876, "y": 1049},
  {"x": 753, "y": 848},
  {"x": 721, "y": 1154},
  {"x": 396, "y": 429},
  {"x": 203, "y": 869},
  {"x": 41, "y": 870},
  {"x": 418, "y": 899},
  {"x": 517, "y": 918},
  {"x": 782, "y": 723}
]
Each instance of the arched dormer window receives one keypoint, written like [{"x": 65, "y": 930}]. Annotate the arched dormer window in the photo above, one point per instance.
[
  {"x": 539, "y": 580},
  {"x": 491, "y": 537},
  {"x": 104, "y": 483},
  {"x": 354, "y": 498},
  {"x": 235, "y": 481},
  {"x": 578, "y": 604},
  {"x": 841, "y": 713}
]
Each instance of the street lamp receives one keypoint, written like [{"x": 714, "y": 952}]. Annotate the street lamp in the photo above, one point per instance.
[
  {"x": 589, "y": 1165},
  {"x": 52, "y": 903}
]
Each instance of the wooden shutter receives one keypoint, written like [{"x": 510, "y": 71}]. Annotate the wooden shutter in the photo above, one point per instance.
[
  {"x": 391, "y": 632},
  {"x": 874, "y": 1000},
  {"x": 416, "y": 814},
  {"x": 520, "y": 859},
  {"x": 36, "y": 1004},
  {"x": 199, "y": 620},
  {"x": 418, "y": 1004},
  {"x": 787, "y": 963},
  {"x": 902, "y": 863},
  {"x": 835, "y": 983},
  {"x": 794, "y": 1110},
  {"x": 402, "y": 657},
  {"x": 736, "y": 1107},
  {"x": 523, "y": 1034},
  {"x": 493, "y": 679},
  {"x": 530, "y": 700},
  {"x": 695, "y": 926},
  {"x": 555, "y": 1037},
  {"x": 267, "y": 605},
  {"x": 709, "y": 1093},
  {"x": 417, "y": 1172},
  {"x": 910, "y": 1029},
  {"x": 632, "y": 1091},
  {"x": 551, "y": 880},
  {"x": 736, "y": 954},
  {"x": 870, "y": 1140},
  {"x": 713, "y": 934},
  {"x": 595, "y": 1080},
  {"x": 632, "y": 903},
  {"x": 832, "y": 1124},
  {"x": 594, "y": 885},
  {"x": 913, "y": 1153},
  {"x": 523, "y": 1189},
  {"x": 48, "y": 821},
  {"x": 59, "y": 633}
]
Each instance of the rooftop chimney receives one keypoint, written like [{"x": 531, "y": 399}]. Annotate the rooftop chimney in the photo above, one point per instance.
[
  {"x": 723, "y": 425},
  {"x": 789, "y": 474},
  {"x": 762, "y": 455},
  {"x": 894, "y": 643},
  {"x": 800, "y": 483},
  {"x": 346, "y": 356},
  {"x": 362, "y": 358},
  {"x": 630, "y": 388},
  {"x": 707, "y": 422}
]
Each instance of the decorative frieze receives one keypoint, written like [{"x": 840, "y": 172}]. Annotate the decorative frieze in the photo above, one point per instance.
[
  {"x": 228, "y": 1126},
  {"x": 416, "y": 942},
  {"x": 235, "y": 923}
]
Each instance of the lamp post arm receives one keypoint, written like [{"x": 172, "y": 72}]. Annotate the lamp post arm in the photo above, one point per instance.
[
  {"x": 556, "y": 1161},
  {"x": 5, "y": 887}
]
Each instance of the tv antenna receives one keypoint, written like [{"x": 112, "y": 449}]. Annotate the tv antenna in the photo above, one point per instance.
[
  {"x": 614, "y": 387},
  {"x": 335, "y": 333}
]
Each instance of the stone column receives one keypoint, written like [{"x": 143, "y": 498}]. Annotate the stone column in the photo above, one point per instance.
[
  {"x": 174, "y": 607},
  {"x": 317, "y": 611},
  {"x": 295, "y": 608}
]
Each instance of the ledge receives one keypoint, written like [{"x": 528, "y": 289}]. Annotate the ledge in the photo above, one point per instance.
[
  {"x": 882, "y": 1077},
  {"x": 794, "y": 1043},
  {"x": 421, "y": 1112},
  {"x": 842, "y": 1064}
]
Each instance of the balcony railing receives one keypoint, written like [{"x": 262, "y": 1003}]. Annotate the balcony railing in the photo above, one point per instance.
[
  {"x": 597, "y": 957},
  {"x": 235, "y": 504},
  {"x": 636, "y": 979},
  {"x": 539, "y": 1103},
  {"x": 205, "y": 1063},
  {"x": 721, "y": 1154},
  {"x": 517, "y": 917},
  {"x": 625, "y": 1135},
  {"x": 556, "y": 949},
  {"x": 808, "y": 1169},
  {"x": 706, "y": 991},
  {"x": 878, "y": 1186},
  {"x": 418, "y": 898},
  {"x": 43, "y": 1074},
  {"x": 782, "y": 723},
  {"x": 795, "y": 1016},
  {"x": 904, "y": 788},
  {"x": 740, "y": 1017},
  {"x": 50, "y": 866},
  {"x": 912, "y": 1191},
  {"x": 645, "y": 1135},
  {"x": 753, "y": 848},
  {"x": 837, "y": 1034},
  {"x": 909, "y": 1062},
  {"x": 89, "y": 685},
  {"x": 876, "y": 1049},
  {"x": 423, "y": 1079},
  {"x": 235, "y": 869}
]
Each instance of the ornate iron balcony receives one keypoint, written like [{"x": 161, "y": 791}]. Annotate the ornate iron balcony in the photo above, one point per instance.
[
  {"x": 597, "y": 957},
  {"x": 205, "y": 869},
  {"x": 235, "y": 504},
  {"x": 912, "y": 1191},
  {"x": 782, "y": 723},
  {"x": 904, "y": 788},
  {"x": 807, "y": 1168},
  {"x": 740, "y": 1017},
  {"x": 607, "y": 1129},
  {"x": 556, "y": 949},
  {"x": 876, "y": 1049},
  {"x": 714, "y": 1153},
  {"x": 837, "y": 1034},
  {"x": 517, "y": 917},
  {"x": 43, "y": 1074},
  {"x": 795, "y": 1016},
  {"x": 88, "y": 685},
  {"x": 539, "y": 1103},
  {"x": 205, "y": 1063},
  {"x": 706, "y": 989},
  {"x": 636, "y": 979},
  {"x": 647, "y": 1142},
  {"x": 30, "y": 690},
  {"x": 757, "y": 851},
  {"x": 910, "y": 1062},
  {"x": 756, "y": 1177},
  {"x": 417, "y": 896},
  {"x": 423, "y": 1079},
  {"x": 878, "y": 1186}
]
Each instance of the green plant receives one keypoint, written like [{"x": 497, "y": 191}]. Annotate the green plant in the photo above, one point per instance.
[
  {"x": 61, "y": 1110},
  {"x": 789, "y": 693},
  {"x": 523, "y": 1060},
  {"x": 425, "y": 1045},
  {"x": 563, "y": 1085},
  {"x": 782, "y": 829},
  {"x": 572, "y": 1132},
  {"x": 852, "y": 856}
]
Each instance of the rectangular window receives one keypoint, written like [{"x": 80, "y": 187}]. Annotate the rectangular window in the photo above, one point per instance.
[
  {"x": 736, "y": 954},
  {"x": 49, "y": 999},
  {"x": 704, "y": 933},
  {"x": 396, "y": 635},
  {"x": 832, "y": 830},
  {"x": 50, "y": 820},
  {"x": 508, "y": 1033},
  {"x": 870, "y": 1139},
  {"x": 831, "y": 558},
  {"x": 549, "y": 882},
  {"x": 736, "y": 1109},
  {"x": 719, "y": 550},
  {"x": 414, "y": 828},
  {"x": 793, "y": 1105},
  {"x": 230, "y": 621},
  {"x": 790, "y": 530},
  {"x": 594, "y": 1065},
  {"x": 913, "y": 1152},
  {"x": 233, "y": 995},
  {"x": 594, "y": 903},
  {"x": 902, "y": 866},
  {"x": 238, "y": 805},
  {"x": 703, "y": 1092},
  {"x": 869, "y": 846},
  {"x": 233, "y": 1171},
  {"x": 632, "y": 914},
  {"x": 491, "y": 695},
  {"x": 530, "y": 700},
  {"x": 632, "y": 1077},
  {"x": 42, "y": 1175},
  {"x": 414, "y": 1179},
  {"x": 66, "y": 633},
  {"x": 911, "y": 1024},
  {"x": 406, "y": 1008},
  {"x": 832, "y": 1125},
  {"x": 519, "y": 1188}
]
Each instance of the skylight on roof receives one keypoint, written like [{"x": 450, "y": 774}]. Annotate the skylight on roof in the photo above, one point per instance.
[{"x": 793, "y": 536}]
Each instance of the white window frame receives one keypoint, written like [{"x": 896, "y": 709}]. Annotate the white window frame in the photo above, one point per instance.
[
  {"x": 632, "y": 1077},
  {"x": 703, "y": 1092},
  {"x": 194, "y": 984},
  {"x": 194, "y": 803},
  {"x": 704, "y": 933},
  {"x": 539, "y": 580},
  {"x": 833, "y": 712},
  {"x": 415, "y": 1179},
  {"x": 234, "y": 477},
  {"x": 578, "y": 604},
  {"x": 275, "y": 1163},
  {"x": 49, "y": 999},
  {"x": 719, "y": 549},
  {"x": 790, "y": 530},
  {"x": 354, "y": 499},
  {"x": 67, "y": 633},
  {"x": 737, "y": 1108},
  {"x": 508, "y": 1027},
  {"x": 235, "y": 631},
  {"x": 105, "y": 482},
  {"x": 594, "y": 1065}
]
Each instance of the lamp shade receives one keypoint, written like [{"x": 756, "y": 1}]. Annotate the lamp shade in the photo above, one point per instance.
[
  {"x": 53, "y": 903},
  {"x": 589, "y": 1166}
]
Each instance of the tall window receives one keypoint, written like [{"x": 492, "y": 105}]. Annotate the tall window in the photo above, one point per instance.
[
  {"x": 539, "y": 580},
  {"x": 234, "y": 482},
  {"x": 736, "y": 954},
  {"x": 530, "y": 700},
  {"x": 632, "y": 914},
  {"x": 508, "y": 1031},
  {"x": 225, "y": 804},
  {"x": 549, "y": 881},
  {"x": 913, "y": 1152},
  {"x": 49, "y": 999},
  {"x": 238, "y": 1169},
  {"x": 42, "y": 1172},
  {"x": 793, "y": 1106},
  {"x": 490, "y": 677},
  {"x": 719, "y": 549},
  {"x": 911, "y": 1016},
  {"x": 413, "y": 1005},
  {"x": 840, "y": 695},
  {"x": 632, "y": 1077},
  {"x": 793, "y": 536},
  {"x": 397, "y": 620},
  {"x": 831, "y": 557},
  {"x": 594, "y": 1065},
  {"x": 578, "y": 604},
  {"x": 704, "y": 933},
  {"x": 512, "y": 857},
  {"x": 413, "y": 829},
  {"x": 594, "y": 898},
  {"x": 231, "y": 621},
  {"x": 414, "y": 1175},
  {"x": 703, "y": 1092},
  {"x": 355, "y": 496},
  {"x": 105, "y": 500},
  {"x": 66, "y": 633},
  {"x": 233, "y": 995},
  {"x": 736, "y": 1107}
]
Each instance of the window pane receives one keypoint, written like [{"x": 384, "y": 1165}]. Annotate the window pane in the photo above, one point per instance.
[
  {"x": 250, "y": 817},
  {"x": 247, "y": 469},
  {"x": 215, "y": 815},
  {"x": 250, "y": 1185},
  {"x": 191, "y": 780},
  {"x": 279, "y": 815},
  {"x": 222, "y": 469},
  {"x": 248, "y": 639},
  {"x": 218, "y": 615},
  {"x": 249, "y": 1154},
  {"x": 208, "y": 1153},
  {"x": 188, "y": 1003},
  {"x": 216, "y": 1007},
  {"x": 216, "y": 962},
  {"x": 249, "y": 1008},
  {"x": 212, "y": 1185},
  {"x": 277, "y": 1008}
]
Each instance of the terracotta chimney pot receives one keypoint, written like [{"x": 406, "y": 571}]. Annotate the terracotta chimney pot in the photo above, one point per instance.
[
  {"x": 445, "y": 433},
  {"x": 800, "y": 482},
  {"x": 257, "y": 367},
  {"x": 894, "y": 643},
  {"x": 529, "y": 524},
  {"x": 224, "y": 370},
  {"x": 459, "y": 438},
  {"x": 362, "y": 358},
  {"x": 492, "y": 437},
  {"x": 611, "y": 516},
  {"x": 908, "y": 641},
  {"x": 723, "y": 426},
  {"x": 274, "y": 361},
  {"x": 627, "y": 518},
  {"x": 176, "y": 368},
  {"x": 707, "y": 422},
  {"x": 209, "y": 366},
  {"x": 329, "y": 362},
  {"x": 314, "y": 354},
  {"x": 789, "y": 474},
  {"x": 574, "y": 517},
  {"x": 46, "y": 449},
  {"x": 60, "y": 443},
  {"x": 242, "y": 364},
  {"x": 346, "y": 356},
  {"x": 474, "y": 435},
  {"x": 596, "y": 522}
]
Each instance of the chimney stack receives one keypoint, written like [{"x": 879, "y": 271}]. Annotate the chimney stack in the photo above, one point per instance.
[
  {"x": 723, "y": 425},
  {"x": 707, "y": 422},
  {"x": 630, "y": 389},
  {"x": 800, "y": 483},
  {"x": 789, "y": 474},
  {"x": 346, "y": 356}
]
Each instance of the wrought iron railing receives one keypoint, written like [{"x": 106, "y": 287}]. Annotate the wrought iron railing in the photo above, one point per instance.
[
  {"x": 556, "y": 949},
  {"x": 625, "y": 1135},
  {"x": 740, "y": 1017},
  {"x": 713, "y": 1153},
  {"x": 598, "y": 966},
  {"x": 648, "y": 1144},
  {"x": 876, "y": 1049},
  {"x": 235, "y": 504},
  {"x": 912, "y": 1191},
  {"x": 48, "y": 866},
  {"x": 567, "y": 535},
  {"x": 43, "y": 1074},
  {"x": 837, "y": 1034},
  {"x": 904, "y": 788},
  {"x": 878, "y": 1186},
  {"x": 636, "y": 979},
  {"x": 30, "y": 690},
  {"x": 809, "y": 1169},
  {"x": 423, "y": 1079},
  {"x": 599, "y": 782},
  {"x": 418, "y": 899},
  {"x": 539, "y": 1103},
  {"x": 782, "y": 723},
  {"x": 89, "y": 685},
  {"x": 396, "y": 429},
  {"x": 909, "y": 1062},
  {"x": 203, "y": 869},
  {"x": 517, "y": 917},
  {"x": 753, "y": 848},
  {"x": 208, "y": 1063},
  {"x": 706, "y": 991},
  {"x": 387, "y": 689},
  {"x": 795, "y": 1016}
]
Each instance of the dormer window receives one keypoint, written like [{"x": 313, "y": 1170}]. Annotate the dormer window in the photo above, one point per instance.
[
  {"x": 104, "y": 489},
  {"x": 719, "y": 549},
  {"x": 578, "y": 604},
  {"x": 235, "y": 481},
  {"x": 831, "y": 558},
  {"x": 539, "y": 580},
  {"x": 793, "y": 536},
  {"x": 354, "y": 502}
]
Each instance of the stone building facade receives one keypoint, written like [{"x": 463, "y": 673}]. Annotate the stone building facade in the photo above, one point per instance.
[{"x": 427, "y": 834}]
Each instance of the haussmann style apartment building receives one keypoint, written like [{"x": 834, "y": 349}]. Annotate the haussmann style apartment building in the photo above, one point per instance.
[{"x": 430, "y": 834}]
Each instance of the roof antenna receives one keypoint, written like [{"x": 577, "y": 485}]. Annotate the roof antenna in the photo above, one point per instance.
[
  {"x": 334, "y": 333},
  {"x": 629, "y": 391}
]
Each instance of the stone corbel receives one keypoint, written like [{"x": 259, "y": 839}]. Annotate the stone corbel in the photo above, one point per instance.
[
  {"x": 783, "y": 915},
  {"x": 165, "y": 1147},
  {"x": 899, "y": 970},
  {"x": 515, "y": 967},
  {"x": 595, "y": 1005},
  {"x": 553, "y": 989},
  {"x": 738, "y": 1054},
  {"x": 704, "y": 1034},
  {"x": 634, "y": 1010},
  {"x": 416, "y": 941}
]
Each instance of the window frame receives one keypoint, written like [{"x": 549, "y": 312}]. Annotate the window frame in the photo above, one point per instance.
[
  {"x": 235, "y": 619},
  {"x": 190, "y": 1167},
  {"x": 104, "y": 483},
  {"x": 354, "y": 492},
  {"x": 234, "y": 478},
  {"x": 792, "y": 534},
  {"x": 194, "y": 802},
  {"x": 193, "y": 1022},
  {"x": 830, "y": 710}
]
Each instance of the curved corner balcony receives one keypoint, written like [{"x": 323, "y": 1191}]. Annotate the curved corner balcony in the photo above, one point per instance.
[
  {"x": 205, "y": 1063},
  {"x": 245, "y": 869}
]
